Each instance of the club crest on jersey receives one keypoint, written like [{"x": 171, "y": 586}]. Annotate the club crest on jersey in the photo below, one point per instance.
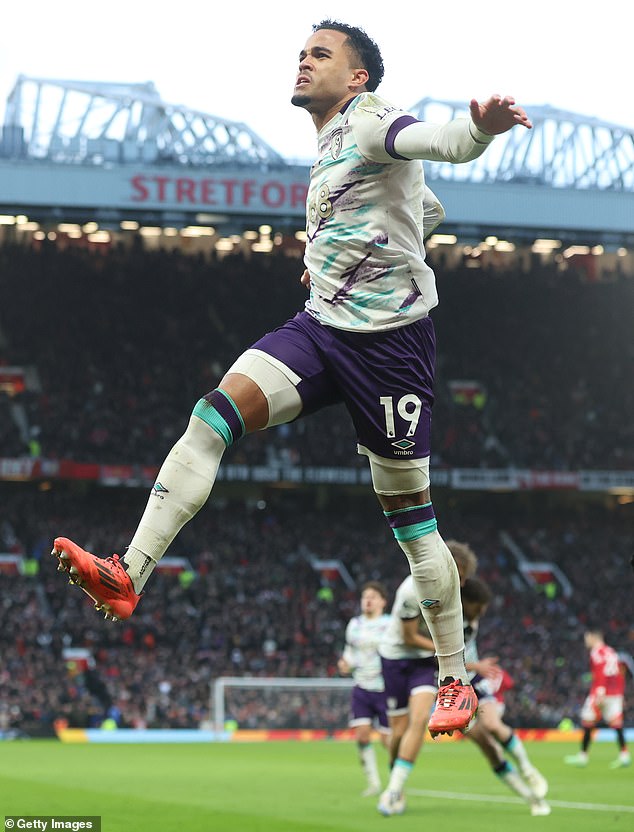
[
  {"x": 336, "y": 144},
  {"x": 429, "y": 602}
]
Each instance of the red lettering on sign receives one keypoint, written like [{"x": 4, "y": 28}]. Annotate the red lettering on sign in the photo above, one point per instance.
[
  {"x": 207, "y": 192},
  {"x": 229, "y": 188},
  {"x": 142, "y": 192},
  {"x": 161, "y": 181},
  {"x": 185, "y": 190},
  {"x": 298, "y": 194},
  {"x": 273, "y": 194},
  {"x": 229, "y": 192},
  {"x": 248, "y": 191}
]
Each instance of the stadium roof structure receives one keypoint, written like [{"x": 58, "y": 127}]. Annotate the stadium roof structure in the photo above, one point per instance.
[
  {"x": 93, "y": 122},
  {"x": 78, "y": 148},
  {"x": 563, "y": 150}
]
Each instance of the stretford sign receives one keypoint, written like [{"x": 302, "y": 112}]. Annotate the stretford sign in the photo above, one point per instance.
[
  {"x": 279, "y": 192},
  {"x": 479, "y": 479},
  {"x": 220, "y": 192}
]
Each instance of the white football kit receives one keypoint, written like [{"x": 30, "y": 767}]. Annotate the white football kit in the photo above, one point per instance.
[
  {"x": 369, "y": 210},
  {"x": 406, "y": 606},
  {"x": 363, "y": 636}
]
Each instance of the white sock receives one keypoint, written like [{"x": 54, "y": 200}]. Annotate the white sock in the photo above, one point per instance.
[
  {"x": 401, "y": 770},
  {"x": 516, "y": 784},
  {"x": 367, "y": 756},
  {"x": 182, "y": 487},
  {"x": 436, "y": 577}
]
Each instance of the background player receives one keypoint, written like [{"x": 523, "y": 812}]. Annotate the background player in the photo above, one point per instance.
[
  {"x": 410, "y": 678},
  {"x": 361, "y": 658},
  {"x": 494, "y": 737},
  {"x": 365, "y": 338},
  {"x": 409, "y": 673},
  {"x": 604, "y": 702}
]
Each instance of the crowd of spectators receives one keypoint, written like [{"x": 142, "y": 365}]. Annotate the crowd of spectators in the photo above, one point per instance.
[
  {"x": 124, "y": 343},
  {"x": 254, "y": 605},
  {"x": 119, "y": 345}
]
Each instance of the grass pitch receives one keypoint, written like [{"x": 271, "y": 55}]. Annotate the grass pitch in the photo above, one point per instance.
[{"x": 300, "y": 787}]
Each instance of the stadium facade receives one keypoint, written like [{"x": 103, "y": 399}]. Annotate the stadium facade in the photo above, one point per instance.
[
  {"x": 97, "y": 163},
  {"x": 88, "y": 152}
]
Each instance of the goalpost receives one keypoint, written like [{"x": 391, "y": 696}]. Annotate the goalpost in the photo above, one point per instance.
[{"x": 281, "y": 702}]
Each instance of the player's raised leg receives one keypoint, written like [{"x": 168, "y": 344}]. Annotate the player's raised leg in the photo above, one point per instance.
[
  {"x": 435, "y": 574},
  {"x": 184, "y": 482},
  {"x": 393, "y": 420}
]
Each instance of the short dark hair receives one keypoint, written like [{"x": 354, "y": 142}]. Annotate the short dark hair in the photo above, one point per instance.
[
  {"x": 377, "y": 586},
  {"x": 476, "y": 591},
  {"x": 365, "y": 49}
]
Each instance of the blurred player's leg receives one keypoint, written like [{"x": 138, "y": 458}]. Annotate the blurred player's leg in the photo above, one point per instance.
[
  {"x": 367, "y": 756},
  {"x": 580, "y": 759},
  {"x": 508, "y": 775},
  {"x": 392, "y": 801},
  {"x": 492, "y": 750},
  {"x": 624, "y": 759},
  {"x": 489, "y": 716}
]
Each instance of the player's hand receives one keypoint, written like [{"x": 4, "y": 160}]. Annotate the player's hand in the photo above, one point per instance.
[
  {"x": 497, "y": 115},
  {"x": 343, "y": 667},
  {"x": 488, "y": 667},
  {"x": 305, "y": 279}
]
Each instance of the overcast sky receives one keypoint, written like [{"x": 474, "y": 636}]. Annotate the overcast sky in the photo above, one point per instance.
[{"x": 238, "y": 60}]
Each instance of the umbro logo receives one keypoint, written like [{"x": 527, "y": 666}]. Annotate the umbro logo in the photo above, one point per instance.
[
  {"x": 429, "y": 602},
  {"x": 403, "y": 444},
  {"x": 158, "y": 489}
]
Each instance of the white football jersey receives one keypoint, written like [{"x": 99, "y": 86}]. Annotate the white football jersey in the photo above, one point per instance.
[
  {"x": 363, "y": 635},
  {"x": 368, "y": 211},
  {"x": 406, "y": 606}
]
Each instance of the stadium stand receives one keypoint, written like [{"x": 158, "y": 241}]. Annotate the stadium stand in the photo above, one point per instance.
[
  {"x": 108, "y": 337},
  {"x": 102, "y": 342},
  {"x": 252, "y": 603}
]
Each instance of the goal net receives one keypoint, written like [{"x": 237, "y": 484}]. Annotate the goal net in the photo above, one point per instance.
[{"x": 256, "y": 703}]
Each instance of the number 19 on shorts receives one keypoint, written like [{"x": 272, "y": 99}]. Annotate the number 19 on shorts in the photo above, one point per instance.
[{"x": 408, "y": 408}]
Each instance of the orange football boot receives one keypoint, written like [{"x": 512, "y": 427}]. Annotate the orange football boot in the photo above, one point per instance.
[
  {"x": 456, "y": 706},
  {"x": 104, "y": 579}
]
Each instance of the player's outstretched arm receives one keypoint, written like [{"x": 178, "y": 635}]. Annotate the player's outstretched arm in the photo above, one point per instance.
[{"x": 497, "y": 115}]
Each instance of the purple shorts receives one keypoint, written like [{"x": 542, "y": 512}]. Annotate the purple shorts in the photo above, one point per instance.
[
  {"x": 385, "y": 379},
  {"x": 366, "y": 706},
  {"x": 405, "y": 677}
]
